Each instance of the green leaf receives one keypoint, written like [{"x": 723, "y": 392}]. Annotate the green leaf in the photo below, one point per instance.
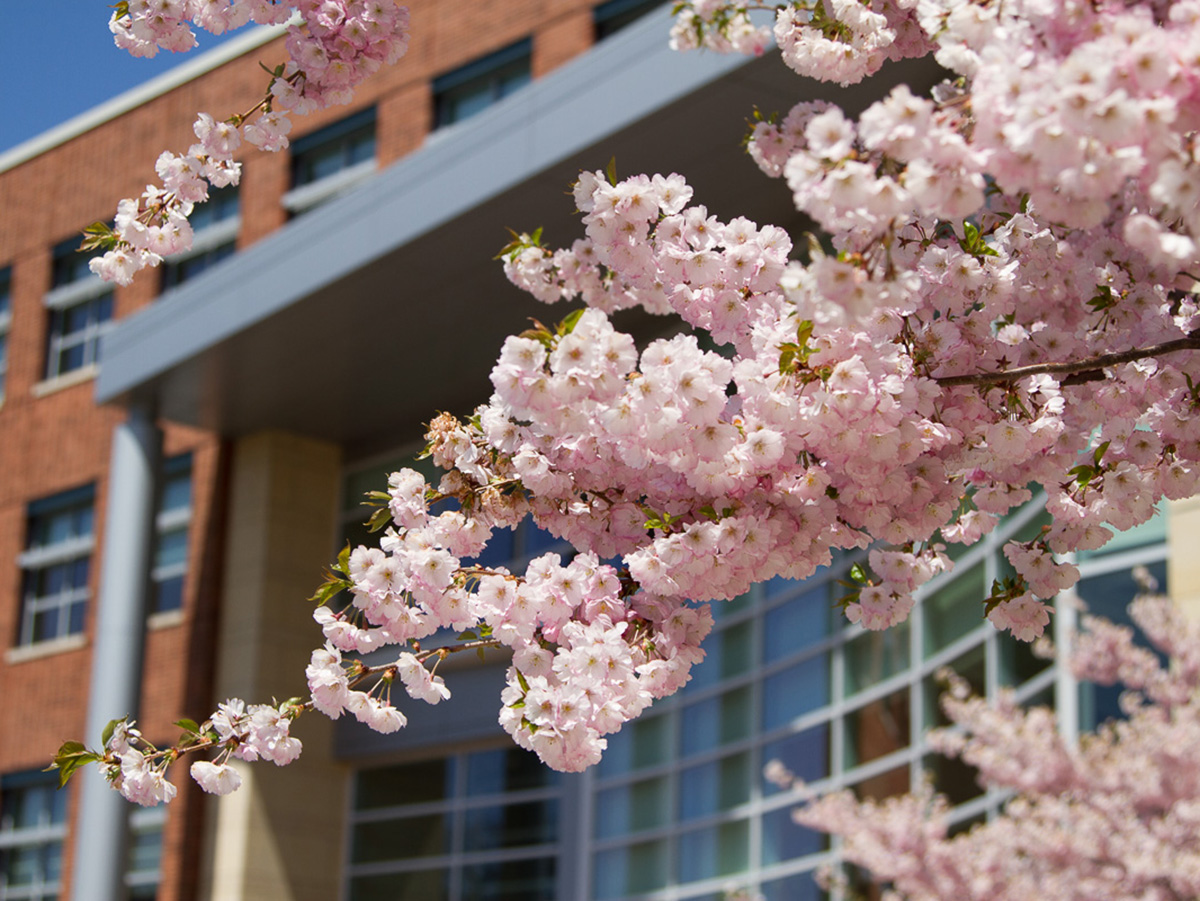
[
  {"x": 380, "y": 519},
  {"x": 468, "y": 636},
  {"x": 522, "y": 682},
  {"x": 343, "y": 560},
  {"x": 479, "y": 651},
  {"x": 70, "y": 757},
  {"x": 570, "y": 321},
  {"x": 858, "y": 573},
  {"x": 188, "y": 726},
  {"x": 611, "y": 171},
  {"x": 98, "y": 236},
  {"x": 109, "y": 729},
  {"x": 1100, "y": 452}
]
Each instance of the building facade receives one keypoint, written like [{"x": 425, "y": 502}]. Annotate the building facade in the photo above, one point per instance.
[{"x": 182, "y": 455}]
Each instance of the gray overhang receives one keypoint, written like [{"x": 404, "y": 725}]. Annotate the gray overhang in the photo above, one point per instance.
[{"x": 362, "y": 318}]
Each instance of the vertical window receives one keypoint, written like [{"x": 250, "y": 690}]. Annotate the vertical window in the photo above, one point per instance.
[
  {"x": 173, "y": 516},
  {"x": 614, "y": 15},
  {"x": 5, "y": 323},
  {"x": 143, "y": 871},
  {"x": 56, "y": 564},
  {"x": 80, "y": 305},
  {"x": 469, "y": 825},
  {"x": 215, "y": 227},
  {"x": 460, "y": 94},
  {"x": 33, "y": 825},
  {"x": 331, "y": 160}
]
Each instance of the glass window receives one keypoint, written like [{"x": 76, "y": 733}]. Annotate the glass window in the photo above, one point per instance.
[
  {"x": 169, "y": 568},
  {"x": 80, "y": 305},
  {"x": 877, "y": 728},
  {"x": 335, "y": 148},
  {"x": 614, "y": 15},
  {"x": 56, "y": 565},
  {"x": 215, "y": 227},
  {"x": 482, "y": 824},
  {"x": 5, "y": 322},
  {"x": 33, "y": 825},
  {"x": 144, "y": 870},
  {"x": 460, "y": 94}
]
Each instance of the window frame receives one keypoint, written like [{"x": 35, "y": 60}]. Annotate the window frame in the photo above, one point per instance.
[
  {"x": 73, "y": 289},
  {"x": 50, "y": 830},
  {"x": 38, "y": 559},
  {"x": 488, "y": 72},
  {"x": 212, "y": 241},
  {"x": 614, "y": 15},
  {"x": 167, "y": 522},
  {"x": 339, "y": 137}
]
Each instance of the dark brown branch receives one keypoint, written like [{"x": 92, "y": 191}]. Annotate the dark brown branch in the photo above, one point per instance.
[{"x": 1075, "y": 369}]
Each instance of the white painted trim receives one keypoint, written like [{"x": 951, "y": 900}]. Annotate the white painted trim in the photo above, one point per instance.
[
  {"x": 135, "y": 97},
  {"x": 41, "y": 649},
  {"x": 66, "y": 380}
]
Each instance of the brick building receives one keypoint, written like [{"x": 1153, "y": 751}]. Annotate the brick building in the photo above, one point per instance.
[{"x": 181, "y": 456}]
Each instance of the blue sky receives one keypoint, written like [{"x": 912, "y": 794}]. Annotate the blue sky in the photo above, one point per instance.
[{"x": 61, "y": 61}]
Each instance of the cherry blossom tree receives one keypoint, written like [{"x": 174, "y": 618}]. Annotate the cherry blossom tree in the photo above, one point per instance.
[
  {"x": 1115, "y": 816},
  {"x": 1004, "y": 299}
]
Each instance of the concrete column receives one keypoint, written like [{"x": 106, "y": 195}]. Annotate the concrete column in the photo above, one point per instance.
[
  {"x": 1183, "y": 563},
  {"x": 117, "y": 650},
  {"x": 278, "y": 838}
]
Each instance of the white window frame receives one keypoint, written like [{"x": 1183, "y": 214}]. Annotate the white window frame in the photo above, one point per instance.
[
  {"x": 45, "y": 834},
  {"x": 88, "y": 290},
  {"x": 34, "y": 560}
]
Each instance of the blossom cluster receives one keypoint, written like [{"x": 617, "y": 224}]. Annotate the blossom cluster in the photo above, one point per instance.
[
  {"x": 332, "y": 46},
  {"x": 1112, "y": 817},
  {"x": 588, "y": 654},
  {"x": 137, "y": 768},
  {"x": 1003, "y": 301}
]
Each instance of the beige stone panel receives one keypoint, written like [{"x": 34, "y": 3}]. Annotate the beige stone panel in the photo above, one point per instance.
[{"x": 263, "y": 842}]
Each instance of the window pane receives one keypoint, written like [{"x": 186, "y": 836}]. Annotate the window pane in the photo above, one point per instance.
[
  {"x": 878, "y": 728},
  {"x": 717, "y": 851},
  {"x": 631, "y": 871},
  {"x": 401, "y": 838},
  {"x": 795, "y": 691},
  {"x": 801, "y": 887},
  {"x": 513, "y": 880},
  {"x": 802, "y": 621},
  {"x": 875, "y": 656},
  {"x": 511, "y": 825},
  {"x": 728, "y": 652},
  {"x": 714, "y": 786},
  {"x": 506, "y": 770},
  {"x": 426, "y": 885},
  {"x": 806, "y": 755},
  {"x": 411, "y": 783},
  {"x": 644, "y": 742},
  {"x": 955, "y": 609},
  {"x": 632, "y": 808},
  {"x": 784, "y": 840},
  {"x": 716, "y": 721}
]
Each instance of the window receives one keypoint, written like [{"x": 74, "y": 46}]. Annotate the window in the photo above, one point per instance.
[
  {"x": 173, "y": 516},
  {"x": 215, "y": 226},
  {"x": 56, "y": 564},
  {"x": 470, "y": 825},
  {"x": 143, "y": 871},
  {"x": 331, "y": 160},
  {"x": 33, "y": 825},
  {"x": 614, "y": 15},
  {"x": 460, "y": 94},
  {"x": 5, "y": 322},
  {"x": 81, "y": 309}
]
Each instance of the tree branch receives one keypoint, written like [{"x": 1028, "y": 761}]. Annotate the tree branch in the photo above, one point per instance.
[{"x": 1076, "y": 368}]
